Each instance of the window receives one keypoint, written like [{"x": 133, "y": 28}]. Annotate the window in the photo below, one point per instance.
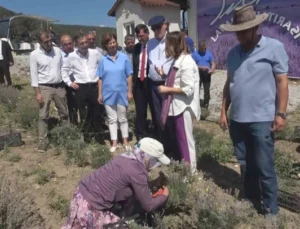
[{"x": 129, "y": 28}]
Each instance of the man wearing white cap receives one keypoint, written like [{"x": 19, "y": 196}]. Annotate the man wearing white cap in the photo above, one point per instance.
[
  {"x": 257, "y": 89},
  {"x": 122, "y": 180}
]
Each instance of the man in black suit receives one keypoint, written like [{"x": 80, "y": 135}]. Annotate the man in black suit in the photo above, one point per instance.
[
  {"x": 141, "y": 92},
  {"x": 6, "y": 61}
]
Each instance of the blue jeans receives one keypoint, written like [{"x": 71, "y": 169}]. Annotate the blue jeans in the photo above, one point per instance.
[{"x": 254, "y": 148}]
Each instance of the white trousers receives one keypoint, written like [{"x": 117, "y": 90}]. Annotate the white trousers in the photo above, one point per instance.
[{"x": 115, "y": 114}]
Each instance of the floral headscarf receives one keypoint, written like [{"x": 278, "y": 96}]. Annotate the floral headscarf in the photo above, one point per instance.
[{"x": 148, "y": 161}]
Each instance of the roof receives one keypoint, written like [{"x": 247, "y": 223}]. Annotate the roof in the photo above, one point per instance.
[{"x": 112, "y": 11}]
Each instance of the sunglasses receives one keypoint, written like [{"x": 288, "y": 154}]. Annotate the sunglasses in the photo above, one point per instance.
[{"x": 156, "y": 27}]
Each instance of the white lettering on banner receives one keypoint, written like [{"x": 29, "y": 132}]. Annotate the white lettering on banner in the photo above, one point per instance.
[
  {"x": 273, "y": 18},
  {"x": 233, "y": 5}
]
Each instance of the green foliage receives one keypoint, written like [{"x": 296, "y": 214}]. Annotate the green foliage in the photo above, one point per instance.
[
  {"x": 77, "y": 153},
  {"x": 14, "y": 157},
  {"x": 17, "y": 208},
  {"x": 283, "y": 164},
  {"x": 59, "y": 204},
  {"x": 61, "y": 135},
  {"x": 287, "y": 134},
  {"x": 99, "y": 155},
  {"x": 212, "y": 149},
  {"x": 9, "y": 156},
  {"x": 27, "y": 114},
  {"x": 42, "y": 176},
  {"x": 9, "y": 97}
]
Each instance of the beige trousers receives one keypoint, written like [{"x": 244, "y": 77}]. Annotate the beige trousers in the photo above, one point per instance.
[{"x": 58, "y": 95}]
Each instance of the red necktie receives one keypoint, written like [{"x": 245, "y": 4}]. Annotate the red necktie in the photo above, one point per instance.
[{"x": 142, "y": 74}]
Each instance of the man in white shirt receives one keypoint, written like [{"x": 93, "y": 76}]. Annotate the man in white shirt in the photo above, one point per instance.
[
  {"x": 46, "y": 79},
  {"x": 83, "y": 63},
  {"x": 67, "y": 47},
  {"x": 157, "y": 60},
  {"x": 91, "y": 37}
]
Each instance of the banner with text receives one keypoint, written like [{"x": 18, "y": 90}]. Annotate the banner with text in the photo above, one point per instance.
[{"x": 283, "y": 24}]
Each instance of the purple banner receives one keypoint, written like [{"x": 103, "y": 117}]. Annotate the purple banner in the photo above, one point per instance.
[{"x": 283, "y": 24}]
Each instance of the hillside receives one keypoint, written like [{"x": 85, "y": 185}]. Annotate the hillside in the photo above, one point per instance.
[{"x": 25, "y": 29}]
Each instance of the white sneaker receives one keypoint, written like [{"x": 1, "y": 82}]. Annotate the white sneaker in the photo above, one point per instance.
[
  {"x": 113, "y": 148},
  {"x": 128, "y": 148}
]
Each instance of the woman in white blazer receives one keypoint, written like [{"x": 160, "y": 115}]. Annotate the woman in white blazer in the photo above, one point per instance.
[{"x": 181, "y": 95}]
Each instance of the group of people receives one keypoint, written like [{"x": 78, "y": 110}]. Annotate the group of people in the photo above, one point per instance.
[{"x": 164, "y": 74}]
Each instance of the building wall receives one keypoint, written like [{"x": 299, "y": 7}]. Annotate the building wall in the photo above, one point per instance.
[
  {"x": 171, "y": 13},
  {"x": 192, "y": 21},
  {"x": 127, "y": 12}
]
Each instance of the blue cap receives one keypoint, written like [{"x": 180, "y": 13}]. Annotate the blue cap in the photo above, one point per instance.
[{"x": 156, "y": 20}]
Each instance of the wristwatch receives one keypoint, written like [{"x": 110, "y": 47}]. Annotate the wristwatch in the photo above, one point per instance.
[{"x": 281, "y": 114}]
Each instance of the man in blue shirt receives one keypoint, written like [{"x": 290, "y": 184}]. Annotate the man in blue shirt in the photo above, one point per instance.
[
  {"x": 189, "y": 41},
  {"x": 257, "y": 89},
  {"x": 206, "y": 64}
]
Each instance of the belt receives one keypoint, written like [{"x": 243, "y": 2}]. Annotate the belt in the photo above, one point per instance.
[
  {"x": 87, "y": 84},
  {"x": 158, "y": 83},
  {"x": 55, "y": 85}
]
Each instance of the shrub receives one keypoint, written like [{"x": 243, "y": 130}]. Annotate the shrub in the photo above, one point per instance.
[
  {"x": 43, "y": 176},
  {"x": 9, "y": 97},
  {"x": 17, "y": 208},
  {"x": 60, "y": 205},
  {"x": 212, "y": 149},
  {"x": 99, "y": 155},
  {"x": 14, "y": 157},
  {"x": 27, "y": 114},
  {"x": 77, "y": 153},
  {"x": 283, "y": 164},
  {"x": 287, "y": 134},
  {"x": 61, "y": 135}
]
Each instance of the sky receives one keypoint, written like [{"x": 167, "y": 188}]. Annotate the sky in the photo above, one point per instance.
[{"x": 77, "y": 12}]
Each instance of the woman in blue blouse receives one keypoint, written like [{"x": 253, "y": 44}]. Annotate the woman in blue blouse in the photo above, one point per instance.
[{"x": 115, "y": 88}]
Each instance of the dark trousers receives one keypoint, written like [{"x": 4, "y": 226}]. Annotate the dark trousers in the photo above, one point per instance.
[
  {"x": 4, "y": 72},
  {"x": 167, "y": 136},
  {"x": 90, "y": 111},
  {"x": 142, "y": 98},
  {"x": 254, "y": 148},
  {"x": 205, "y": 80},
  {"x": 72, "y": 105}
]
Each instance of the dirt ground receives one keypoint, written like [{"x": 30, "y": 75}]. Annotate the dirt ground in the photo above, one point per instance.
[{"x": 66, "y": 177}]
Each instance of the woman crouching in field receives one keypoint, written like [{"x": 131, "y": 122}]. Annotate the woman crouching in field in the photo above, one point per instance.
[
  {"x": 122, "y": 180},
  {"x": 181, "y": 95}
]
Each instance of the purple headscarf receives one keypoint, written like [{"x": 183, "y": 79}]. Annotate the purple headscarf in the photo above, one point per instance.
[{"x": 148, "y": 161}]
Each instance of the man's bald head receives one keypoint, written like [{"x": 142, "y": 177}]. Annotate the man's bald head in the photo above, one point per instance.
[{"x": 67, "y": 44}]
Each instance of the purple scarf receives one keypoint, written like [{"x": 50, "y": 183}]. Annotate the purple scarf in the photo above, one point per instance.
[{"x": 167, "y": 98}]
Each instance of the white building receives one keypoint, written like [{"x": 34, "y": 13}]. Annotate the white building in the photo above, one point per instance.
[{"x": 130, "y": 13}]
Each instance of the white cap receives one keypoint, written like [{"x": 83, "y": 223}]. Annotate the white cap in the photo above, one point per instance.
[{"x": 155, "y": 149}]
